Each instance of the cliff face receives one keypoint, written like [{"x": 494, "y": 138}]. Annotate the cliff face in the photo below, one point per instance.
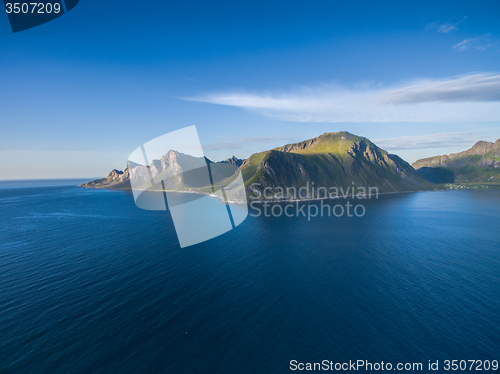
[
  {"x": 331, "y": 160},
  {"x": 116, "y": 179},
  {"x": 479, "y": 164},
  {"x": 177, "y": 170}
]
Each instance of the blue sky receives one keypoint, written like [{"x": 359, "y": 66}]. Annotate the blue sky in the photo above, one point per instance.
[{"x": 80, "y": 93}]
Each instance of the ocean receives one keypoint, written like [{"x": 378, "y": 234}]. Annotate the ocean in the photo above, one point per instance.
[{"x": 89, "y": 283}]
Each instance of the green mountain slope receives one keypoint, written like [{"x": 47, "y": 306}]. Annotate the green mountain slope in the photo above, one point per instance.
[
  {"x": 332, "y": 160},
  {"x": 479, "y": 164},
  {"x": 339, "y": 160}
]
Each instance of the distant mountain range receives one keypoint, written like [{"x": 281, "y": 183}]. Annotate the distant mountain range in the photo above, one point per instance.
[
  {"x": 479, "y": 164},
  {"x": 340, "y": 159},
  {"x": 178, "y": 171}
]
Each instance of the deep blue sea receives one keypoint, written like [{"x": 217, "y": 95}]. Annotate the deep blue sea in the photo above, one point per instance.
[{"x": 91, "y": 284}]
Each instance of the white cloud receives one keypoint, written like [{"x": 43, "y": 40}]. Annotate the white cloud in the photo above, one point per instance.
[
  {"x": 482, "y": 43},
  {"x": 442, "y": 140},
  {"x": 445, "y": 27},
  {"x": 464, "y": 44},
  {"x": 464, "y": 88},
  {"x": 464, "y": 98}
]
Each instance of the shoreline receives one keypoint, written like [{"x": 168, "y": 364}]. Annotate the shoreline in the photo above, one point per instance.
[
  {"x": 221, "y": 199},
  {"x": 446, "y": 187}
]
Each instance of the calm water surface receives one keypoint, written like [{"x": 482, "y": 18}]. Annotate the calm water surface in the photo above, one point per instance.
[{"x": 91, "y": 284}]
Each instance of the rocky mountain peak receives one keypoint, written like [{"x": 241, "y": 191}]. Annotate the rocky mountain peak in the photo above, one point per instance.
[
  {"x": 234, "y": 161},
  {"x": 329, "y": 142},
  {"x": 478, "y": 164},
  {"x": 338, "y": 135},
  {"x": 338, "y": 159},
  {"x": 481, "y": 147},
  {"x": 115, "y": 174}
]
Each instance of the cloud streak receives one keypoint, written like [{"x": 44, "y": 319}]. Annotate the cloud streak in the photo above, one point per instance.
[
  {"x": 465, "y": 88},
  {"x": 481, "y": 43},
  {"x": 442, "y": 140},
  {"x": 464, "y": 98},
  {"x": 444, "y": 28}
]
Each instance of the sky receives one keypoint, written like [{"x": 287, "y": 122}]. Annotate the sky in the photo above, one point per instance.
[{"x": 80, "y": 93}]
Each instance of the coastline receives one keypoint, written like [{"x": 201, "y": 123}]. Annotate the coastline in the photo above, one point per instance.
[
  {"x": 440, "y": 188},
  {"x": 367, "y": 196}
]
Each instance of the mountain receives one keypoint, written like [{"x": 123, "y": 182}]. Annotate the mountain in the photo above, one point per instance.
[
  {"x": 340, "y": 160},
  {"x": 177, "y": 170},
  {"x": 116, "y": 179},
  {"x": 479, "y": 164},
  {"x": 234, "y": 161}
]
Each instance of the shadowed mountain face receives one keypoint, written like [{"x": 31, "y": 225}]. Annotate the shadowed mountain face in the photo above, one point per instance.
[
  {"x": 233, "y": 160},
  {"x": 479, "y": 164},
  {"x": 340, "y": 160},
  {"x": 331, "y": 160}
]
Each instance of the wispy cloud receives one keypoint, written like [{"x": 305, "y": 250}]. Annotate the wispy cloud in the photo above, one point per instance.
[
  {"x": 482, "y": 43},
  {"x": 45, "y": 149},
  {"x": 223, "y": 146},
  {"x": 240, "y": 142},
  {"x": 442, "y": 140},
  {"x": 469, "y": 97},
  {"x": 445, "y": 27},
  {"x": 471, "y": 87}
]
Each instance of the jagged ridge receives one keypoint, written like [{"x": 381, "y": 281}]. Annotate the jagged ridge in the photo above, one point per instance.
[
  {"x": 479, "y": 164},
  {"x": 331, "y": 160},
  {"x": 170, "y": 168}
]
